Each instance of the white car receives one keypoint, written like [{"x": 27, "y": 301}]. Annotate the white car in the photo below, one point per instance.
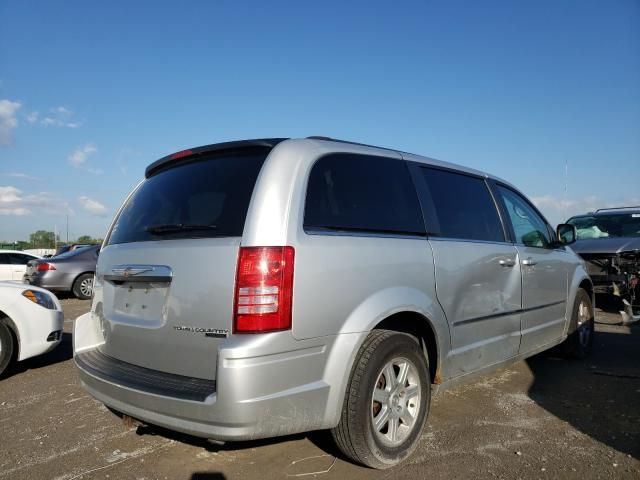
[
  {"x": 31, "y": 321},
  {"x": 13, "y": 264}
]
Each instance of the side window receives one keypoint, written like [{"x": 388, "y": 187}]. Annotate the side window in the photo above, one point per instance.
[
  {"x": 19, "y": 258},
  {"x": 362, "y": 193},
  {"x": 463, "y": 205},
  {"x": 529, "y": 228},
  {"x": 4, "y": 259}
]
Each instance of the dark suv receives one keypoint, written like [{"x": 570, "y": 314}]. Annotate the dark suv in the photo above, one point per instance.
[{"x": 609, "y": 241}]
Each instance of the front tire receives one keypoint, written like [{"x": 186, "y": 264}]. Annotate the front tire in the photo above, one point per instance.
[
  {"x": 6, "y": 347},
  {"x": 581, "y": 328},
  {"x": 386, "y": 402},
  {"x": 83, "y": 286}
]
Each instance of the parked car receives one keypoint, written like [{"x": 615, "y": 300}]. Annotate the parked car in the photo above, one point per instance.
[
  {"x": 31, "y": 321},
  {"x": 267, "y": 287},
  {"x": 68, "y": 272},
  {"x": 13, "y": 264},
  {"x": 609, "y": 241}
]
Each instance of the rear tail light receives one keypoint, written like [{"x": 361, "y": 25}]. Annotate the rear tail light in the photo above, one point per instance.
[
  {"x": 43, "y": 267},
  {"x": 264, "y": 289}
]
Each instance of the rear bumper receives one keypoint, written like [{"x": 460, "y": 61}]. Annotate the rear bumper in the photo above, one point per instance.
[
  {"x": 50, "y": 280},
  {"x": 266, "y": 385}
]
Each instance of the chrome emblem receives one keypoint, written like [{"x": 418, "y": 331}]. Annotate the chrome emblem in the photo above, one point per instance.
[{"x": 130, "y": 271}]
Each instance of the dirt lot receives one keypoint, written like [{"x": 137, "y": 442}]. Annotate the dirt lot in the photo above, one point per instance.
[{"x": 544, "y": 418}]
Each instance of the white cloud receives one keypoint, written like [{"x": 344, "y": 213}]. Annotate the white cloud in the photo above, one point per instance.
[
  {"x": 19, "y": 175},
  {"x": 10, "y": 202},
  {"x": 92, "y": 206},
  {"x": 14, "y": 202},
  {"x": 62, "y": 111},
  {"x": 8, "y": 120},
  {"x": 33, "y": 117},
  {"x": 78, "y": 157},
  {"x": 58, "y": 117}
]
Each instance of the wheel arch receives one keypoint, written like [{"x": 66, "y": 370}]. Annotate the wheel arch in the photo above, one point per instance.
[
  {"x": 400, "y": 309},
  {"x": 580, "y": 280},
  {"x": 586, "y": 285},
  {"x": 418, "y": 326},
  {"x": 15, "y": 333},
  {"x": 90, "y": 272}
]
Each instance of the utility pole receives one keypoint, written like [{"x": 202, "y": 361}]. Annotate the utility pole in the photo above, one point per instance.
[{"x": 67, "y": 228}]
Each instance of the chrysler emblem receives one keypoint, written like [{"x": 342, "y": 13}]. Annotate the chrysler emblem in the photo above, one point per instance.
[{"x": 130, "y": 271}]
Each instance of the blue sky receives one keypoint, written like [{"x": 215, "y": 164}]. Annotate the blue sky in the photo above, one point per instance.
[{"x": 92, "y": 92}]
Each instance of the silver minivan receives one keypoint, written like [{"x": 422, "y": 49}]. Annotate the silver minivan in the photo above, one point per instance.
[{"x": 267, "y": 287}]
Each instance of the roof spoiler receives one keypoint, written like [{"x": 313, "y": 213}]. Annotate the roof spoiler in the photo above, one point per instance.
[{"x": 225, "y": 147}]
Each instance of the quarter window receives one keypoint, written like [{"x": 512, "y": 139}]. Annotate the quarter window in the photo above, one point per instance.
[
  {"x": 529, "y": 228},
  {"x": 362, "y": 193},
  {"x": 463, "y": 205}
]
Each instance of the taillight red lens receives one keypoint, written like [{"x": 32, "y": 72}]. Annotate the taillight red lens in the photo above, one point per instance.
[
  {"x": 43, "y": 267},
  {"x": 264, "y": 289}
]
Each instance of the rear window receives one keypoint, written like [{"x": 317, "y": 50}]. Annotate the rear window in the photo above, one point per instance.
[
  {"x": 363, "y": 193},
  {"x": 202, "y": 199}
]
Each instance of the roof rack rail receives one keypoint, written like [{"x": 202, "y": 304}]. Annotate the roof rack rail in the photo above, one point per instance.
[
  {"x": 320, "y": 137},
  {"x": 616, "y": 208}
]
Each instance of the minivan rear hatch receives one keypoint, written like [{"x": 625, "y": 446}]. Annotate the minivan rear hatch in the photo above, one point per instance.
[{"x": 165, "y": 277}]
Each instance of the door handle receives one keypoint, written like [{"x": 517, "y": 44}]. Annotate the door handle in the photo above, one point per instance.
[
  {"x": 507, "y": 262},
  {"x": 530, "y": 262}
]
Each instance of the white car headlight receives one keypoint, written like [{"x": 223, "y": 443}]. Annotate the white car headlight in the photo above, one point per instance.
[{"x": 40, "y": 298}]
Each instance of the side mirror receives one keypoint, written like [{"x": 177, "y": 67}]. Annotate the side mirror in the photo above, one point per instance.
[{"x": 566, "y": 233}]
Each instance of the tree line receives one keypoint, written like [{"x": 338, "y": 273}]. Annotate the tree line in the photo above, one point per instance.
[{"x": 45, "y": 239}]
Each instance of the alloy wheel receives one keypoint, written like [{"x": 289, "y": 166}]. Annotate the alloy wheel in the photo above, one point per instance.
[{"x": 395, "y": 402}]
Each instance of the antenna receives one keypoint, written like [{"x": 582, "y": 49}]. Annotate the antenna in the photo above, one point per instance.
[{"x": 566, "y": 186}]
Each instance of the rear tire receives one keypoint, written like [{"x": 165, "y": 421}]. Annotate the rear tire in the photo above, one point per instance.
[
  {"x": 387, "y": 401},
  {"x": 581, "y": 328},
  {"x": 83, "y": 286},
  {"x": 6, "y": 347}
]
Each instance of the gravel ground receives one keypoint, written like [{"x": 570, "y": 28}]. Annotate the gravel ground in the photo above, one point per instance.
[{"x": 543, "y": 418}]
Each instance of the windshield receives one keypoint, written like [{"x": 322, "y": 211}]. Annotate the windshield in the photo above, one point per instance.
[
  {"x": 203, "y": 199},
  {"x": 604, "y": 226}
]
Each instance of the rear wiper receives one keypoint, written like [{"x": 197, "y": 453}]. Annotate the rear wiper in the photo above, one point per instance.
[{"x": 177, "y": 227}]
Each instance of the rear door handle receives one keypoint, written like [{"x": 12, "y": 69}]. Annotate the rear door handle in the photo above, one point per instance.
[
  {"x": 530, "y": 262},
  {"x": 507, "y": 262}
]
